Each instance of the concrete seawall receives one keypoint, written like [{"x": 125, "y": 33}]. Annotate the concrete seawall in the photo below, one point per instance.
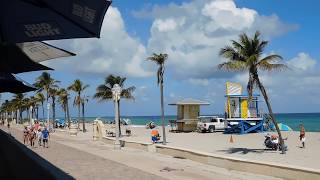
[{"x": 269, "y": 169}]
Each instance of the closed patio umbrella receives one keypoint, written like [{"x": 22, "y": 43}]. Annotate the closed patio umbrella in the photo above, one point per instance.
[
  {"x": 13, "y": 84},
  {"x": 24, "y": 57},
  {"x": 39, "y": 20}
]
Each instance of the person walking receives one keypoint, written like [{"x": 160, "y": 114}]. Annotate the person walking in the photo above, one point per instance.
[
  {"x": 9, "y": 132},
  {"x": 32, "y": 137},
  {"x": 25, "y": 135},
  {"x": 39, "y": 137},
  {"x": 45, "y": 136},
  {"x": 302, "y": 135}
]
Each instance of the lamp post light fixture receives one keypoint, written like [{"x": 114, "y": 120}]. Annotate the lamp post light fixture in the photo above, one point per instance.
[{"x": 116, "y": 93}]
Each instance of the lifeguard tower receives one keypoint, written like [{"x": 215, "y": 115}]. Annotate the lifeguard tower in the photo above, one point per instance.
[
  {"x": 188, "y": 111},
  {"x": 242, "y": 116}
]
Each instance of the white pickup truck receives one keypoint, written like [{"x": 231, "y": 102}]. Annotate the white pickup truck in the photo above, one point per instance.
[{"x": 210, "y": 124}]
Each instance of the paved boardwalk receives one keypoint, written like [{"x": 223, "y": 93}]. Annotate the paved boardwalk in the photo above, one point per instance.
[
  {"x": 86, "y": 159},
  {"x": 82, "y": 165}
]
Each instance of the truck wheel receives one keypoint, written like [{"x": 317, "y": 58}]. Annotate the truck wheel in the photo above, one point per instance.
[{"x": 211, "y": 129}]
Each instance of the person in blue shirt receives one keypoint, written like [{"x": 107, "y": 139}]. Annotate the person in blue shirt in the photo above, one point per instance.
[{"x": 45, "y": 137}]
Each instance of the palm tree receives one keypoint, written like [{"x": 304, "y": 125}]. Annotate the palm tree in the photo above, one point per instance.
[
  {"x": 53, "y": 93},
  {"x": 84, "y": 100},
  {"x": 45, "y": 82},
  {"x": 34, "y": 103},
  {"x": 78, "y": 87},
  {"x": 5, "y": 108},
  {"x": 160, "y": 59},
  {"x": 104, "y": 91},
  {"x": 63, "y": 100},
  {"x": 40, "y": 98},
  {"x": 18, "y": 102},
  {"x": 245, "y": 55}
]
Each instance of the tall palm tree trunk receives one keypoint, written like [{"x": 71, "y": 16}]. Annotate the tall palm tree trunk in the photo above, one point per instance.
[
  {"x": 48, "y": 106},
  {"x": 79, "y": 111},
  {"x": 28, "y": 116},
  {"x": 16, "y": 116},
  {"x": 37, "y": 113},
  {"x": 53, "y": 112},
  {"x": 164, "y": 142},
  {"x": 42, "y": 110},
  {"x": 119, "y": 124},
  {"x": 264, "y": 93},
  {"x": 68, "y": 114},
  {"x": 20, "y": 114},
  {"x": 83, "y": 124},
  {"x": 65, "y": 114}
]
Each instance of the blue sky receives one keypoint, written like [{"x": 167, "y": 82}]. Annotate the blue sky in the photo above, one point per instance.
[{"x": 192, "y": 32}]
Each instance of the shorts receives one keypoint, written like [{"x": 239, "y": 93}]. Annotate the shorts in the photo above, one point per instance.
[{"x": 45, "y": 140}]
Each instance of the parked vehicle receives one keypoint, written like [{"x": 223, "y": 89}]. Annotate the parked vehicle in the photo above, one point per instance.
[{"x": 210, "y": 124}]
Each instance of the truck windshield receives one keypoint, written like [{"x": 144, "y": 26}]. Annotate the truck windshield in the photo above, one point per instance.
[{"x": 205, "y": 120}]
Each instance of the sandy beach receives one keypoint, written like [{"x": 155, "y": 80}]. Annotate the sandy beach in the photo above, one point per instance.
[
  {"x": 84, "y": 158},
  {"x": 248, "y": 146}
]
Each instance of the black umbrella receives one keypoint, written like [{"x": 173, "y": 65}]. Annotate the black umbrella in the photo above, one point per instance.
[
  {"x": 24, "y": 57},
  {"x": 38, "y": 20},
  {"x": 13, "y": 84}
]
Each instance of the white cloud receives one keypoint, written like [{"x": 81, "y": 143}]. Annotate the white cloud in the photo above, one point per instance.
[
  {"x": 226, "y": 15},
  {"x": 141, "y": 93},
  {"x": 302, "y": 62},
  {"x": 199, "y": 82},
  {"x": 193, "y": 33},
  {"x": 115, "y": 52},
  {"x": 165, "y": 25},
  {"x": 172, "y": 95}
]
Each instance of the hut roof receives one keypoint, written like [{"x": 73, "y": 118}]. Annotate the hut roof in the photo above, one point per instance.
[{"x": 190, "y": 101}]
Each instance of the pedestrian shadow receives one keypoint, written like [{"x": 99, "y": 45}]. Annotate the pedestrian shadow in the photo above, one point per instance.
[{"x": 244, "y": 150}]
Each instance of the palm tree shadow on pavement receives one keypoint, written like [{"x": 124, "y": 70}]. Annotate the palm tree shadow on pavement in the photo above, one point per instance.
[{"x": 245, "y": 150}]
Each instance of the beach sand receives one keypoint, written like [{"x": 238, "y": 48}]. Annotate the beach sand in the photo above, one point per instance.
[
  {"x": 248, "y": 146},
  {"x": 84, "y": 158}
]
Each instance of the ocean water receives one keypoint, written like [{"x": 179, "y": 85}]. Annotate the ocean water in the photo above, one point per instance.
[{"x": 311, "y": 121}]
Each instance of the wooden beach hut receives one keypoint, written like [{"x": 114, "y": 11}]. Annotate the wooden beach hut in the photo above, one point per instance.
[{"x": 188, "y": 111}]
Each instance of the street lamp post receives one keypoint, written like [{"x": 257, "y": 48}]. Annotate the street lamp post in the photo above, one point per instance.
[{"x": 116, "y": 93}]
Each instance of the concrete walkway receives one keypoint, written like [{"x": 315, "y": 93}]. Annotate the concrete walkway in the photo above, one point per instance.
[
  {"x": 83, "y": 165},
  {"x": 87, "y": 159}
]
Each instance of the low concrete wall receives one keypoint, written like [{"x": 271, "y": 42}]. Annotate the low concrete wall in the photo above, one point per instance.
[
  {"x": 238, "y": 164},
  {"x": 132, "y": 144},
  {"x": 19, "y": 162},
  {"x": 270, "y": 169}
]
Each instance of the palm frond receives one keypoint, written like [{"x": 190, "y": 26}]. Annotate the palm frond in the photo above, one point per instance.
[
  {"x": 234, "y": 66},
  {"x": 265, "y": 66},
  {"x": 128, "y": 93},
  {"x": 271, "y": 59}
]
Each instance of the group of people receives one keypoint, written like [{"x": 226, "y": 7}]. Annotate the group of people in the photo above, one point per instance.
[
  {"x": 272, "y": 141},
  {"x": 2, "y": 123},
  {"x": 36, "y": 133}
]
